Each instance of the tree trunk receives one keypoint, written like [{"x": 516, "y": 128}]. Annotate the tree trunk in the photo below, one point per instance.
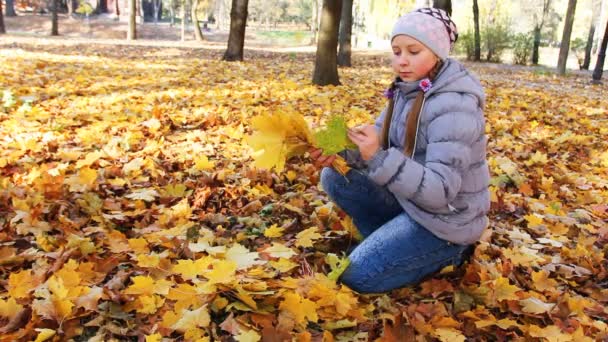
[
  {"x": 132, "y": 33},
  {"x": 198, "y": 34},
  {"x": 102, "y": 6},
  {"x": 346, "y": 28},
  {"x": 595, "y": 10},
  {"x": 172, "y": 12},
  {"x": 326, "y": 66},
  {"x": 477, "y": 33},
  {"x": 55, "y": 19},
  {"x": 536, "y": 46},
  {"x": 445, "y": 5},
  {"x": 601, "y": 57},
  {"x": 315, "y": 21},
  {"x": 183, "y": 11},
  {"x": 236, "y": 39},
  {"x": 10, "y": 8},
  {"x": 2, "y": 29},
  {"x": 565, "y": 45}
]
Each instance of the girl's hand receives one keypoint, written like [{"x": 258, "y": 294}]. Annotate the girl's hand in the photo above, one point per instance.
[
  {"x": 367, "y": 139},
  {"x": 319, "y": 160}
]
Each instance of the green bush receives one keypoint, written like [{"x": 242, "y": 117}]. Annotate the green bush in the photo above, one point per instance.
[
  {"x": 495, "y": 40},
  {"x": 466, "y": 45},
  {"x": 522, "y": 48},
  {"x": 578, "y": 47}
]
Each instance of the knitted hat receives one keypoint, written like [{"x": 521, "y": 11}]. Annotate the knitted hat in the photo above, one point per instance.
[{"x": 432, "y": 27}]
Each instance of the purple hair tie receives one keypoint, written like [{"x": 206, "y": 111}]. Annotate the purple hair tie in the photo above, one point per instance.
[
  {"x": 389, "y": 93},
  {"x": 425, "y": 85}
]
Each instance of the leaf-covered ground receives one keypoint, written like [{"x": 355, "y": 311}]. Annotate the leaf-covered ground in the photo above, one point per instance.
[{"x": 129, "y": 209}]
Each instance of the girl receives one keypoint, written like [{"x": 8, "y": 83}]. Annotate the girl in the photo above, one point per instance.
[{"x": 422, "y": 196}]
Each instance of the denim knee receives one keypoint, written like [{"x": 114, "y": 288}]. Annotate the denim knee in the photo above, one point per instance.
[{"x": 329, "y": 176}]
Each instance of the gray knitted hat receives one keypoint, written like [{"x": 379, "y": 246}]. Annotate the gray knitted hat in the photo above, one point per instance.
[{"x": 432, "y": 27}]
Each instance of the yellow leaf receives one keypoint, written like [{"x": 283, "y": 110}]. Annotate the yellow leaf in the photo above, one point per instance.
[
  {"x": 273, "y": 231},
  {"x": 145, "y": 285},
  {"x": 243, "y": 257},
  {"x": 535, "y": 306},
  {"x": 449, "y": 335},
  {"x": 90, "y": 159},
  {"x": 190, "y": 319},
  {"x": 87, "y": 176},
  {"x": 534, "y": 220},
  {"x": 44, "y": 334},
  {"x": 154, "y": 338},
  {"x": 223, "y": 272},
  {"x": 306, "y": 237},
  {"x": 21, "y": 283},
  {"x": 283, "y": 265},
  {"x": 9, "y": 308},
  {"x": 542, "y": 282},
  {"x": 145, "y": 260},
  {"x": 202, "y": 163},
  {"x": 505, "y": 291},
  {"x": 552, "y": 333},
  {"x": 302, "y": 309},
  {"x": 139, "y": 245},
  {"x": 249, "y": 336},
  {"x": 278, "y": 250}
]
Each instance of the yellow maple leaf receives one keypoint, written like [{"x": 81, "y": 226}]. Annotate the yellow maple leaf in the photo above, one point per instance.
[
  {"x": 534, "y": 220},
  {"x": 505, "y": 291},
  {"x": 223, "y": 272},
  {"x": 306, "y": 237},
  {"x": 301, "y": 309},
  {"x": 9, "y": 308},
  {"x": 248, "y": 336},
  {"x": 243, "y": 257},
  {"x": 542, "y": 282},
  {"x": 535, "y": 306},
  {"x": 190, "y": 319},
  {"x": 449, "y": 335},
  {"x": 278, "y": 250},
  {"x": 21, "y": 283},
  {"x": 283, "y": 265},
  {"x": 278, "y": 137},
  {"x": 44, "y": 334},
  {"x": 273, "y": 231},
  {"x": 145, "y": 260},
  {"x": 87, "y": 176},
  {"x": 154, "y": 338},
  {"x": 202, "y": 163},
  {"x": 552, "y": 333}
]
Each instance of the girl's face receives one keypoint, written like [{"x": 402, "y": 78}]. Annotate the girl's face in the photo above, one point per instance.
[{"x": 412, "y": 60}]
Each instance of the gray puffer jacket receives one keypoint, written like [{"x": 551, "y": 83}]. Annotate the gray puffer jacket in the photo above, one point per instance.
[{"x": 445, "y": 186}]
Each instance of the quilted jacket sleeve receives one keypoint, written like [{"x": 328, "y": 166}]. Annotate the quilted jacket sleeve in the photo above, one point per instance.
[{"x": 435, "y": 183}]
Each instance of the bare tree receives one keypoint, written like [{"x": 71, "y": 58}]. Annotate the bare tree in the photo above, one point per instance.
[
  {"x": 539, "y": 22},
  {"x": 445, "y": 5},
  {"x": 346, "y": 28},
  {"x": 601, "y": 57},
  {"x": 236, "y": 38},
  {"x": 10, "y": 8},
  {"x": 183, "y": 11},
  {"x": 2, "y": 29},
  {"x": 132, "y": 33},
  {"x": 477, "y": 33},
  {"x": 596, "y": 6},
  {"x": 55, "y": 19},
  {"x": 198, "y": 34},
  {"x": 565, "y": 44},
  {"x": 326, "y": 64}
]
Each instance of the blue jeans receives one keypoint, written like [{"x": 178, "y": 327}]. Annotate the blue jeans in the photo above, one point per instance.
[{"x": 396, "y": 251}]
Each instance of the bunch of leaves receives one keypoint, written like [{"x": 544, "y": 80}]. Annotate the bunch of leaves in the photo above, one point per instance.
[{"x": 280, "y": 136}]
